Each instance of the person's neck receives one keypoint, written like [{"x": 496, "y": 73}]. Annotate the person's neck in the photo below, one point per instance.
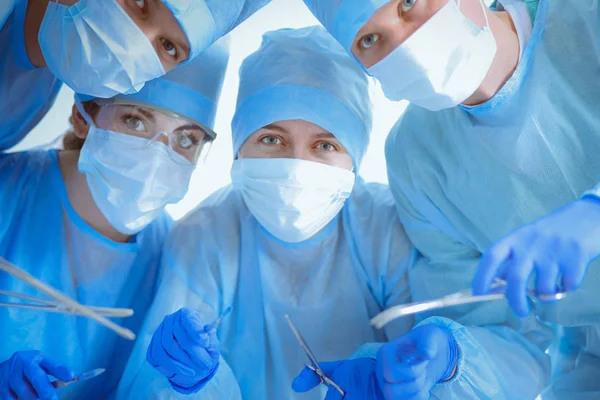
[
  {"x": 33, "y": 20},
  {"x": 81, "y": 199},
  {"x": 506, "y": 59}
]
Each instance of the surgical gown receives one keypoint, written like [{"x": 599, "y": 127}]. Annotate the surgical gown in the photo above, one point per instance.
[
  {"x": 465, "y": 177},
  {"x": 26, "y": 92},
  {"x": 330, "y": 285},
  {"x": 41, "y": 233}
]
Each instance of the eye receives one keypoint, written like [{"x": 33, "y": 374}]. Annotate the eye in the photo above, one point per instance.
[
  {"x": 169, "y": 47},
  {"x": 407, "y": 5},
  {"x": 135, "y": 124},
  {"x": 327, "y": 147},
  {"x": 368, "y": 40},
  {"x": 271, "y": 140},
  {"x": 186, "y": 141},
  {"x": 140, "y": 3}
]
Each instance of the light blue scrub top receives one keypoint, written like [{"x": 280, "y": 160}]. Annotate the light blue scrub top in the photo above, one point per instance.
[
  {"x": 41, "y": 233},
  {"x": 465, "y": 177},
  {"x": 26, "y": 92},
  {"x": 331, "y": 285}
]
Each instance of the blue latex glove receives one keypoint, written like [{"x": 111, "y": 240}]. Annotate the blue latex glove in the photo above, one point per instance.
[
  {"x": 356, "y": 377},
  {"x": 409, "y": 367},
  {"x": 25, "y": 376},
  {"x": 562, "y": 243},
  {"x": 185, "y": 351}
]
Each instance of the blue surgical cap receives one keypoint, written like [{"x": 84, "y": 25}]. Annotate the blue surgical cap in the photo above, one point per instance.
[
  {"x": 205, "y": 21},
  {"x": 344, "y": 18},
  {"x": 304, "y": 74},
  {"x": 191, "y": 90}
]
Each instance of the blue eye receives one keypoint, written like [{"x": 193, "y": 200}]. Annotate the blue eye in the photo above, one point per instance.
[
  {"x": 407, "y": 5},
  {"x": 328, "y": 147},
  {"x": 135, "y": 124},
  {"x": 368, "y": 40},
  {"x": 271, "y": 140}
]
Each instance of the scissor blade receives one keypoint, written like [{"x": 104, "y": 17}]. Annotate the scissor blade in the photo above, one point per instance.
[
  {"x": 302, "y": 342},
  {"x": 85, "y": 376}
]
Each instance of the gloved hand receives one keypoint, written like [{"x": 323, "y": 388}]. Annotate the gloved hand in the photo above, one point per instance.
[
  {"x": 409, "y": 367},
  {"x": 356, "y": 377},
  {"x": 25, "y": 376},
  {"x": 184, "y": 351},
  {"x": 562, "y": 243}
]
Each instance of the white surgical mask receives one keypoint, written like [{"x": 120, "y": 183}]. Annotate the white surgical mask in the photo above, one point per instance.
[
  {"x": 440, "y": 65},
  {"x": 97, "y": 49},
  {"x": 293, "y": 199},
  {"x": 130, "y": 183}
]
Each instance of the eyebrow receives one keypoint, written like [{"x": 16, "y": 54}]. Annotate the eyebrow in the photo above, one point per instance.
[
  {"x": 190, "y": 127},
  {"x": 325, "y": 135},
  {"x": 275, "y": 127},
  {"x": 146, "y": 113}
]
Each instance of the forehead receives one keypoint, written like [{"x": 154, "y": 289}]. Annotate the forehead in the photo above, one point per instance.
[{"x": 298, "y": 129}]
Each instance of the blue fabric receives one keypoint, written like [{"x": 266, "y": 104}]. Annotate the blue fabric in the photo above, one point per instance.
[
  {"x": 330, "y": 285},
  {"x": 205, "y": 21},
  {"x": 297, "y": 74},
  {"x": 344, "y": 18},
  {"x": 191, "y": 90},
  {"x": 465, "y": 177},
  {"x": 26, "y": 92},
  {"x": 41, "y": 233}
]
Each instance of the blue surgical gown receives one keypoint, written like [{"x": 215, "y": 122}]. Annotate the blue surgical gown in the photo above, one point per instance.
[
  {"x": 26, "y": 92},
  {"x": 330, "y": 285},
  {"x": 465, "y": 177},
  {"x": 41, "y": 233}
]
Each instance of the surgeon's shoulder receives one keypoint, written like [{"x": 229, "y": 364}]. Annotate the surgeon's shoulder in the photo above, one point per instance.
[
  {"x": 216, "y": 221},
  {"x": 409, "y": 148},
  {"x": 22, "y": 168},
  {"x": 372, "y": 208}
]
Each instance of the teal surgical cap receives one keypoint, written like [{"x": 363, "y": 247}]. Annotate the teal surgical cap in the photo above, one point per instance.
[
  {"x": 205, "y": 21},
  {"x": 191, "y": 90},
  {"x": 344, "y": 18},
  {"x": 304, "y": 74}
]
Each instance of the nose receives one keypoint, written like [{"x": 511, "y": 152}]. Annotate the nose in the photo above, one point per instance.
[
  {"x": 302, "y": 153},
  {"x": 162, "y": 138}
]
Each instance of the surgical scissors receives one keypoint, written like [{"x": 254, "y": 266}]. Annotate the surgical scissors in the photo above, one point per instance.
[
  {"x": 62, "y": 303},
  {"x": 454, "y": 299},
  {"x": 315, "y": 367}
]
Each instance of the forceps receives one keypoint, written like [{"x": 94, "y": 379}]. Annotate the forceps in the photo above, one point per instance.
[
  {"x": 454, "y": 299},
  {"x": 62, "y": 304},
  {"x": 314, "y": 364}
]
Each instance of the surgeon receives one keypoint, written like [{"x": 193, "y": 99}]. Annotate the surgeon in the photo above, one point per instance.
[
  {"x": 89, "y": 220},
  {"x": 297, "y": 233},
  {"x": 494, "y": 165},
  {"x": 99, "y": 48}
]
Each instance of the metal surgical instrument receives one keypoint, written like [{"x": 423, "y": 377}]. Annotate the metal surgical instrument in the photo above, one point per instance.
[
  {"x": 314, "y": 364},
  {"x": 61, "y": 302},
  {"x": 85, "y": 376},
  {"x": 454, "y": 299}
]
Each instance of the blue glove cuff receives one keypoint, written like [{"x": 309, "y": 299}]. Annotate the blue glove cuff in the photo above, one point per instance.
[
  {"x": 197, "y": 387},
  {"x": 452, "y": 357}
]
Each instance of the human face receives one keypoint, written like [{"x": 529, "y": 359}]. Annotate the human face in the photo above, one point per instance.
[
  {"x": 396, "y": 21},
  {"x": 296, "y": 139},
  {"x": 185, "y": 137},
  {"x": 162, "y": 29}
]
